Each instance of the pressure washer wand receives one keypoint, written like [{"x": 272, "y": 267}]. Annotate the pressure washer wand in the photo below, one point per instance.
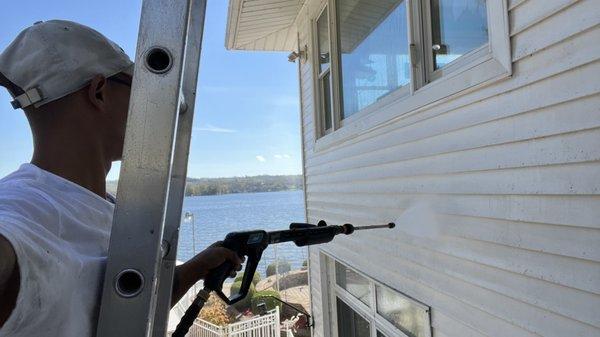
[
  {"x": 305, "y": 234},
  {"x": 252, "y": 244}
]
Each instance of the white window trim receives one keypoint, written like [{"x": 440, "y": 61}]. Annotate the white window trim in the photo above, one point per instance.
[
  {"x": 481, "y": 67},
  {"x": 318, "y": 115},
  {"x": 331, "y": 290}
]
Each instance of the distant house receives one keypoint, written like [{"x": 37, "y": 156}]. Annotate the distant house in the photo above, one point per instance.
[{"x": 476, "y": 126}]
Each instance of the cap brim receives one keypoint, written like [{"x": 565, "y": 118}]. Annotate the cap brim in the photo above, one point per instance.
[{"x": 129, "y": 70}]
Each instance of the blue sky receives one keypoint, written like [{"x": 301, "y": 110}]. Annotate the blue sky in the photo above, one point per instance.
[{"x": 247, "y": 109}]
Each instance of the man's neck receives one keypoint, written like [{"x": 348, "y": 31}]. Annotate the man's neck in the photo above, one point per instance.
[{"x": 87, "y": 168}]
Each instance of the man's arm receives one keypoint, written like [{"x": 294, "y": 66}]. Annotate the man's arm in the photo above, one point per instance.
[
  {"x": 187, "y": 274},
  {"x": 9, "y": 280}
]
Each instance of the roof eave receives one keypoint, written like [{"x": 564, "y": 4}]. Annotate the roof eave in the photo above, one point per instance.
[
  {"x": 282, "y": 38},
  {"x": 233, "y": 14}
]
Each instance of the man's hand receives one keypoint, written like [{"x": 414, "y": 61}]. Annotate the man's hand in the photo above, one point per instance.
[{"x": 197, "y": 268}]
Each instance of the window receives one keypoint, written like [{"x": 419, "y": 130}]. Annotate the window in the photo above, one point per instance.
[
  {"x": 375, "y": 53},
  {"x": 374, "y": 60},
  {"x": 324, "y": 72},
  {"x": 405, "y": 314},
  {"x": 458, "y": 27},
  {"x": 455, "y": 28},
  {"x": 353, "y": 283},
  {"x": 351, "y": 324},
  {"x": 366, "y": 308}
]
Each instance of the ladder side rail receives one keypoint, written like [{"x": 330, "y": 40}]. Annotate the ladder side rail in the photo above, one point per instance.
[
  {"x": 180, "y": 165},
  {"x": 128, "y": 298}
]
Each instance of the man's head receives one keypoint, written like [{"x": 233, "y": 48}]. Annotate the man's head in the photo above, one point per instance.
[{"x": 73, "y": 84}]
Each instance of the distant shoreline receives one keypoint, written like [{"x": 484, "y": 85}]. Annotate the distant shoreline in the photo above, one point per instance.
[
  {"x": 210, "y": 195},
  {"x": 234, "y": 185}
]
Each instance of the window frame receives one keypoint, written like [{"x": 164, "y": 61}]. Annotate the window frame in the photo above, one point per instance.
[
  {"x": 398, "y": 93},
  {"x": 319, "y": 102},
  {"x": 368, "y": 312},
  {"x": 471, "y": 58},
  {"x": 480, "y": 67}
]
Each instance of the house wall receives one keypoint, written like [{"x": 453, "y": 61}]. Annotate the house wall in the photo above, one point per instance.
[{"x": 512, "y": 171}]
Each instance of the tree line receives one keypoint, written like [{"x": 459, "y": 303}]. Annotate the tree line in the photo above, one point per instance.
[
  {"x": 216, "y": 186},
  {"x": 264, "y": 183}
]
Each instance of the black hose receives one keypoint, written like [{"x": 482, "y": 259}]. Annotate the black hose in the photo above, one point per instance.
[{"x": 191, "y": 313}]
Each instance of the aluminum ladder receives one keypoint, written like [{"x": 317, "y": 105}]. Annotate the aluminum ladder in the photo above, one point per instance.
[{"x": 143, "y": 243}]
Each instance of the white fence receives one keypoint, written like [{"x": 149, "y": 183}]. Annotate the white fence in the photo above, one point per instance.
[
  {"x": 261, "y": 326},
  {"x": 205, "y": 329},
  {"x": 287, "y": 329}
]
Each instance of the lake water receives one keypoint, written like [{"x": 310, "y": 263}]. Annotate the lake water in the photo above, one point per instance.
[{"x": 215, "y": 216}]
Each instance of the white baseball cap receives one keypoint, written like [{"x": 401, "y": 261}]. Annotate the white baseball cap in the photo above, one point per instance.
[{"x": 52, "y": 59}]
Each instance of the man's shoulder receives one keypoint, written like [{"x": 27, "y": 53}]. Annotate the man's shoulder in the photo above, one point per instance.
[
  {"x": 22, "y": 199},
  {"x": 19, "y": 190},
  {"x": 17, "y": 184},
  {"x": 24, "y": 173}
]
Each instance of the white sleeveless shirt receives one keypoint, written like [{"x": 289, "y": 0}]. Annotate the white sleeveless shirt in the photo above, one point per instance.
[{"x": 60, "y": 232}]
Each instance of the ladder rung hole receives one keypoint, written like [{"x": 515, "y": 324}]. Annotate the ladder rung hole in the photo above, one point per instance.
[
  {"x": 129, "y": 283},
  {"x": 158, "y": 60}
]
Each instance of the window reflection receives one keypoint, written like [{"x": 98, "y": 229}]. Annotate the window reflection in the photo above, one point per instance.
[
  {"x": 324, "y": 79},
  {"x": 412, "y": 319},
  {"x": 326, "y": 94},
  {"x": 374, "y": 51},
  {"x": 353, "y": 283},
  {"x": 458, "y": 26},
  {"x": 323, "y": 39},
  {"x": 351, "y": 324}
]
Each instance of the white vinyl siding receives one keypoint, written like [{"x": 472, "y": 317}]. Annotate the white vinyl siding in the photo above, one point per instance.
[{"x": 512, "y": 168}]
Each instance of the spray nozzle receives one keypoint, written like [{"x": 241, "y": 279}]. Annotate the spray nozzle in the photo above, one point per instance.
[{"x": 349, "y": 228}]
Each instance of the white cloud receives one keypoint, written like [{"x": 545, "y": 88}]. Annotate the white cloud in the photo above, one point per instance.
[
  {"x": 282, "y": 156},
  {"x": 261, "y": 159},
  {"x": 212, "y": 128}
]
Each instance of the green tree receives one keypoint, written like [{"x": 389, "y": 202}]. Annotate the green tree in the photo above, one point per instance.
[
  {"x": 281, "y": 267},
  {"x": 247, "y": 301},
  {"x": 255, "y": 279},
  {"x": 266, "y": 297}
]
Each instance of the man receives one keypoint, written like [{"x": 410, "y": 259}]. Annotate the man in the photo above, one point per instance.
[{"x": 55, "y": 215}]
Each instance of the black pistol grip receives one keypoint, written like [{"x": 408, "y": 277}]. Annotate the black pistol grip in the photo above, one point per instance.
[
  {"x": 251, "y": 265},
  {"x": 215, "y": 279}
]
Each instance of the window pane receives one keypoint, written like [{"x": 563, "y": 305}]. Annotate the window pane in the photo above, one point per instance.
[
  {"x": 458, "y": 26},
  {"x": 374, "y": 51},
  {"x": 380, "y": 334},
  {"x": 323, "y": 40},
  {"x": 351, "y": 324},
  {"x": 401, "y": 311},
  {"x": 326, "y": 95},
  {"x": 353, "y": 283}
]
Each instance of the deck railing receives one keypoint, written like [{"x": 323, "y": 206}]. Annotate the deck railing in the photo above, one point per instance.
[
  {"x": 203, "y": 328},
  {"x": 262, "y": 326},
  {"x": 287, "y": 329}
]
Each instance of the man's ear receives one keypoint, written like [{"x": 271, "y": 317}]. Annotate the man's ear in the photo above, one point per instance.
[{"x": 97, "y": 92}]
